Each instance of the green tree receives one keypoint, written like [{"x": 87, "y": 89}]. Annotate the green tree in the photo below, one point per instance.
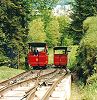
[
  {"x": 53, "y": 34},
  {"x": 87, "y": 53},
  {"x": 43, "y": 9},
  {"x": 14, "y": 27},
  {"x": 64, "y": 22},
  {"x": 36, "y": 32},
  {"x": 81, "y": 10}
]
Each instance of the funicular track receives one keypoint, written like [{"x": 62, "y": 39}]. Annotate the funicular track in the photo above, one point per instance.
[
  {"x": 18, "y": 78},
  {"x": 10, "y": 92},
  {"x": 59, "y": 83}
]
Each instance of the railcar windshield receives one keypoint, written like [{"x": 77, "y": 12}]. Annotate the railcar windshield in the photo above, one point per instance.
[
  {"x": 40, "y": 49},
  {"x": 38, "y": 46},
  {"x": 60, "y": 50}
]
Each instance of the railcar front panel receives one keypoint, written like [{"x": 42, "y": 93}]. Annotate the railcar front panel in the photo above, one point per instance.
[
  {"x": 63, "y": 59},
  {"x": 43, "y": 59},
  {"x": 56, "y": 59},
  {"x": 38, "y": 60},
  {"x": 60, "y": 59},
  {"x": 37, "y": 54},
  {"x": 32, "y": 60}
]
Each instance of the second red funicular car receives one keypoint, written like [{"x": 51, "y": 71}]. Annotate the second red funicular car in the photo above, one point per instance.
[
  {"x": 60, "y": 56},
  {"x": 37, "y": 55}
]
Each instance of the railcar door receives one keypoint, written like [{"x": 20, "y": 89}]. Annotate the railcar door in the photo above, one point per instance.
[
  {"x": 42, "y": 59},
  {"x": 60, "y": 56},
  {"x": 63, "y": 59},
  {"x": 32, "y": 60},
  {"x": 56, "y": 59}
]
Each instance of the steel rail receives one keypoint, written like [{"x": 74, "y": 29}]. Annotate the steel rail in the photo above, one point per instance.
[
  {"x": 46, "y": 81},
  {"x": 13, "y": 79},
  {"x": 12, "y": 86},
  {"x": 31, "y": 91},
  {"x": 31, "y": 94},
  {"x": 51, "y": 89}
]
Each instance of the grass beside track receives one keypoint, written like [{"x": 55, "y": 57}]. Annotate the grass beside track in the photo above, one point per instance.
[
  {"x": 75, "y": 92},
  {"x": 85, "y": 92},
  {"x": 6, "y": 72},
  {"x": 88, "y": 92}
]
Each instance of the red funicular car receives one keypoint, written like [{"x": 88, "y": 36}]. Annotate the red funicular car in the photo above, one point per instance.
[
  {"x": 60, "y": 56},
  {"x": 37, "y": 55}
]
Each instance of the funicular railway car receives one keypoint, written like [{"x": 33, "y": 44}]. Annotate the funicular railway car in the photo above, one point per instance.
[
  {"x": 60, "y": 56},
  {"x": 37, "y": 55}
]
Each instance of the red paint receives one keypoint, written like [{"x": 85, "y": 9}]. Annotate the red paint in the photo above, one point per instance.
[
  {"x": 41, "y": 59},
  {"x": 60, "y": 59},
  {"x": 38, "y": 60},
  {"x": 60, "y": 56}
]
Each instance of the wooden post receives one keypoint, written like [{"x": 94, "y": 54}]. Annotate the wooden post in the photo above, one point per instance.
[{"x": 18, "y": 59}]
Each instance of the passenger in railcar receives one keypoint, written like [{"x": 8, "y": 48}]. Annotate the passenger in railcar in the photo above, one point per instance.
[{"x": 36, "y": 51}]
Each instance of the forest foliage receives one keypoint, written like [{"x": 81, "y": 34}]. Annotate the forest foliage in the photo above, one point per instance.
[
  {"x": 14, "y": 17},
  {"x": 23, "y": 21},
  {"x": 36, "y": 31},
  {"x": 87, "y": 52},
  {"x": 81, "y": 10},
  {"x": 83, "y": 29}
]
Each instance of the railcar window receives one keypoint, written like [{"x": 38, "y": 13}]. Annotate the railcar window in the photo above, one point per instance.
[
  {"x": 40, "y": 49},
  {"x": 60, "y": 52}
]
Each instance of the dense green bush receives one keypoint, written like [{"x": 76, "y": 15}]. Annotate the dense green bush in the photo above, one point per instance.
[
  {"x": 87, "y": 51},
  {"x": 89, "y": 92},
  {"x": 92, "y": 79},
  {"x": 14, "y": 18}
]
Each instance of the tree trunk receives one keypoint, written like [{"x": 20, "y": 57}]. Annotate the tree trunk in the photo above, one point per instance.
[{"x": 18, "y": 59}]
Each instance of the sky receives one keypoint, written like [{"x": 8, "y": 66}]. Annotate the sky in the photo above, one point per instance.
[
  {"x": 62, "y": 7},
  {"x": 63, "y": 2}
]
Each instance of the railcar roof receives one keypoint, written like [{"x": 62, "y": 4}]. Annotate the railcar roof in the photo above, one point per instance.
[
  {"x": 37, "y": 44},
  {"x": 60, "y": 48}
]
